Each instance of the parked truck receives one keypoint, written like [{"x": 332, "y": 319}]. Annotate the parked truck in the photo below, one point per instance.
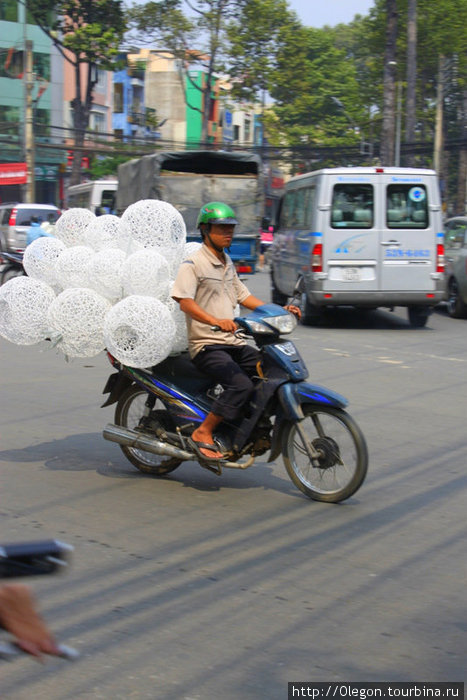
[{"x": 189, "y": 179}]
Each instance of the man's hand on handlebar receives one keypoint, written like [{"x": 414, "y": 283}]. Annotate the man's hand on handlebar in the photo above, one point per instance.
[
  {"x": 293, "y": 310},
  {"x": 227, "y": 325}
]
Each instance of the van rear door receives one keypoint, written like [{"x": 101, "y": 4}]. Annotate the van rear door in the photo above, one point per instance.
[
  {"x": 410, "y": 226},
  {"x": 351, "y": 238}
]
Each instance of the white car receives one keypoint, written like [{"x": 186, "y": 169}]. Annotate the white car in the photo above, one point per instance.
[{"x": 15, "y": 220}]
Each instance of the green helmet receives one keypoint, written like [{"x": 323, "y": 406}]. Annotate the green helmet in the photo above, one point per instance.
[{"x": 216, "y": 213}]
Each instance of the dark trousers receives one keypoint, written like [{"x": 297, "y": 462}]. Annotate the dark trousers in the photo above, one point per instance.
[{"x": 232, "y": 366}]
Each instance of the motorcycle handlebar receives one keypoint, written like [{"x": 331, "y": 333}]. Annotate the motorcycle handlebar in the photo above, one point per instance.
[{"x": 33, "y": 558}]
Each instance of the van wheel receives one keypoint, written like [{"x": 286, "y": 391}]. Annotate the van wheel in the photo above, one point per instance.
[
  {"x": 418, "y": 315},
  {"x": 311, "y": 314},
  {"x": 276, "y": 296},
  {"x": 456, "y": 307}
]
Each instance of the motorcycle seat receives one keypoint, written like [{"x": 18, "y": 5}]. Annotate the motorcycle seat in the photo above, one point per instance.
[{"x": 176, "y": 367}]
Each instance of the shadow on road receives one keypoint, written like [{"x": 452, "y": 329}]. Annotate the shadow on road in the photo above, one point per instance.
[
  {"x": 89, "y": 452},
  {"x": 346, "y": 317}
]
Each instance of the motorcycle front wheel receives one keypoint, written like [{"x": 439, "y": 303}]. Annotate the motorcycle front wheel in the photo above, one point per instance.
[
  {"x": 131, "y": 407},
  {"x": 340, "y": 457}
]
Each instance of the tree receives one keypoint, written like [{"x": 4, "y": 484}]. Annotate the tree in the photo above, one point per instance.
[
  {"x": 315, "y": 88},
  {"x": 389, "y": 85},
  {"x": 410, "y": 120},
  {"x": 87, "y": 33},
  {"x": 253, "y": 40},
  {"x": 196, "y": 40}
]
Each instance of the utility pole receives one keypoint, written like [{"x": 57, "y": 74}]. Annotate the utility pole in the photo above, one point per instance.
[
  {"x": 397, "y": 149},
  {"x": 438, "y": 147},
  {"x": 28, "y": 123}
]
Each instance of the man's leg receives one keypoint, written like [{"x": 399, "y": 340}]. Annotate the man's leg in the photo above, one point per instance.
[{"x": 221, "y": 365}]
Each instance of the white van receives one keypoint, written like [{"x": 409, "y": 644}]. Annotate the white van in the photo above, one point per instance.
[
  {"x": 364, "y": 237},
  {"x": 96, "y": 195}
]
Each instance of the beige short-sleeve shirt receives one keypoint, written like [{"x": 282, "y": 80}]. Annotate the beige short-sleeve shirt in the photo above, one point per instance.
[{"x": 216, "y": 288}]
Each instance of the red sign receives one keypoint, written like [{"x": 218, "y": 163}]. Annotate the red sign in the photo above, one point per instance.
[{"x": 13, "y": 173}]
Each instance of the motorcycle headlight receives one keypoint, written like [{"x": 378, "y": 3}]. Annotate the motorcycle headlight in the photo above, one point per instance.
[
  {"x": 257, "y": 327},
  {"x": 284, "y": 324}
]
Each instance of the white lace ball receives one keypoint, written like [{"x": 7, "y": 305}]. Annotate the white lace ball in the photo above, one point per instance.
[
  {"x": 139, "y": 331},
  {"x": 71, "y": 268},
  {"x": 153, "y": 224},
  {"x": 40, "y": 258},
  {"x": 24, "y": 303},
  {"x": 76, "y": 317},
  {"x": 102, "y": 232},
  {"x": 147, "y": 273},
  {"x": 105, "y": 273},
  {"x": 180, "y": 342},
  {"x": 174, "y": 256},
  {"x": 71, "y": 226}
]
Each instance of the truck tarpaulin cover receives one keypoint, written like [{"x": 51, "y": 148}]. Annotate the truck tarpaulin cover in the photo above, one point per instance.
[{"x": 188, "y": 179}]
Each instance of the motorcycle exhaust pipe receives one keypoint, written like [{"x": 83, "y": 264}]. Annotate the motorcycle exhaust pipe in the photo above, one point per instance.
[{"x": 132, "y": 438}]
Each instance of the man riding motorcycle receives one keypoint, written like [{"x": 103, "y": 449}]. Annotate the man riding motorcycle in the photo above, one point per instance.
[{"x": 208, "y": 289}]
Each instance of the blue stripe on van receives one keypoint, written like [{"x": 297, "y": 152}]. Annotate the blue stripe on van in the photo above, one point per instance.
[{"x": 440, "y": 235}]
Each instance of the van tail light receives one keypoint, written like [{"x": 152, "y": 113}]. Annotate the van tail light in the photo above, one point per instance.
[
  {"x": 12, "y": 219},
  {"x": 440, "y": 257},
  {"x": 317, "y": 258}
]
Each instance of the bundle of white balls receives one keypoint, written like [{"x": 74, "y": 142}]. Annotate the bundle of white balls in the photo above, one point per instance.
[{"x": 102, "y": 282}]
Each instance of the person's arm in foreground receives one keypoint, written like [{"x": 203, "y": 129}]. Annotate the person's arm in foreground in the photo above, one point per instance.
[{"x": 18, "y": 615}]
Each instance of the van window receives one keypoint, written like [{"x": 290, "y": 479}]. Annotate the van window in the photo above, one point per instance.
[
  {"x": 297, "y": 209},
  {"x": 406, "y": 206},
  {"x": 78, "y": 199},
  {"x": 352, "y": 206},
  {"x": 107, "y": 202},
  {"x": 288, "y": 210}
]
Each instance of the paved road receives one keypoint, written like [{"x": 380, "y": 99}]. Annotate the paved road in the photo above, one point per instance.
[{"x": 196, "y": 586}]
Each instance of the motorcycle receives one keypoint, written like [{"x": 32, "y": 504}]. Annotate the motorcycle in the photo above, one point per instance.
[
  {"x": 323, "y": 449},
  {"x": 12, "y": 266}
]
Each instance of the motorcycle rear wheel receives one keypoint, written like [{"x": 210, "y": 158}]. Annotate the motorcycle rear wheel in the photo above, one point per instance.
[
  {"x": 343, "y": 461},
  {"x": 130, "y": 409}
]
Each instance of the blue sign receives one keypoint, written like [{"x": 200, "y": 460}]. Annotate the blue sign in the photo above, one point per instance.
[{"x": 227, "y": 129}]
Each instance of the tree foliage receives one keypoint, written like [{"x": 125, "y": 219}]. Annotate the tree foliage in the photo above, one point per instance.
[
  {"x": 252, "y": 45},
  {"x": 315, "y": 88}
]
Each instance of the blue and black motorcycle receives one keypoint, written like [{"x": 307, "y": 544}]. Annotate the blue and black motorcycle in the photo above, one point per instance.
[{"x": 323, "y": 449}]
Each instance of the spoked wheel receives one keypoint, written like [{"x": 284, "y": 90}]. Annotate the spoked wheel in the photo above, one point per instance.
[
  {"x": 131, "y": 407},
  {"x": 325, "y": 454}
]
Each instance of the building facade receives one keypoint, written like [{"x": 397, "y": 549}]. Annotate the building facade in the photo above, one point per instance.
[{"x": 16, "y": 31}]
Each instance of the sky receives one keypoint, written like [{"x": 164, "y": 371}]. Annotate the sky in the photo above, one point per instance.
[{"x": 317, "y": 13}]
